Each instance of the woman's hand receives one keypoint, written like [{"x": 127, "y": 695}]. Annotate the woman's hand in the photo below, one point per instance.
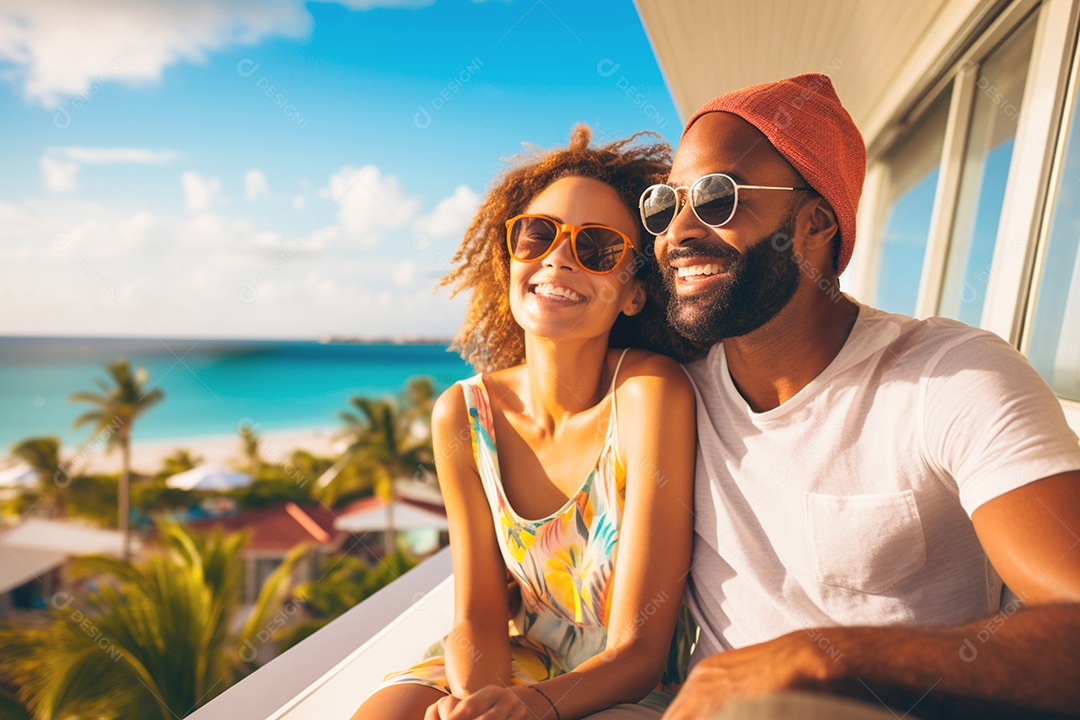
[{"x": 492, "y": 703}]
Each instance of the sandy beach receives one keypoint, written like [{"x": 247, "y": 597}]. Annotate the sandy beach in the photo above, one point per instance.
[{"x": 147, "y": 456}]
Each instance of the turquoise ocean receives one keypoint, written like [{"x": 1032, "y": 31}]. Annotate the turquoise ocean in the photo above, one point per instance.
[{"x": 210, "y": 385}]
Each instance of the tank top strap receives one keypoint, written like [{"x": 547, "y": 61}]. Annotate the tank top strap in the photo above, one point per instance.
[
  {"x": 482, "y": 433},
  {"x": 614, "y": 420}
]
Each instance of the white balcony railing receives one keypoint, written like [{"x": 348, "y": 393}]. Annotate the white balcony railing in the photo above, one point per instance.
[{"x": 329, "y": 674}]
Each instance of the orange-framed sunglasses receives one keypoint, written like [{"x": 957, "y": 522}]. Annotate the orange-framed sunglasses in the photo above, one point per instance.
[{"x": 598, "y": 249}]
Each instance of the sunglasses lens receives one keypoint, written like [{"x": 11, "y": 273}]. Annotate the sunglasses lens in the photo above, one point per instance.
[
  {"x": 713, "y": 199},
  {"x": 658, "y": 205},
  {"x": 530, "y": 237},
  {"x": 599, "y": 249}
]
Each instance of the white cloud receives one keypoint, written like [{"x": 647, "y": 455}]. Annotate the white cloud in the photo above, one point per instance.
[
  {"x": 299, "y": 202},
  {"x": 83, "y": 268},
  {"x": 66, "y": 48},
  {"x": 320, "y": 287},
  {"x": 404, "y": 273},
  {"x": 255, "y": 184},
  {"x": 451, "y": 215},
  {"x": 369, "y": 203},
  {"x": 58, "y": 175},
  {"x": 60, "y": 165},
  {"x": 110, "y": 236},
  {"x": 198, "y": 191},
  {"x": 107, "y": 156}
]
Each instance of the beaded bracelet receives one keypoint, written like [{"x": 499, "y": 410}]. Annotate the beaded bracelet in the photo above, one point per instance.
[{"x": 557, "y": 715}]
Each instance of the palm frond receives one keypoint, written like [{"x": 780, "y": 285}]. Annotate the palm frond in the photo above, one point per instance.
[{"x": 272, "y": 596}]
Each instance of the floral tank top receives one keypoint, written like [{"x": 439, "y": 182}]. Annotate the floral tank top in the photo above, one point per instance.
[
  {"x": 564, "y": 565},
  {"x": 565, "y": 562}
]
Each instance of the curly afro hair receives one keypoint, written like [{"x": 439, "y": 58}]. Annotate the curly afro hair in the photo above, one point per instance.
[{"x": 490, "y": 339}]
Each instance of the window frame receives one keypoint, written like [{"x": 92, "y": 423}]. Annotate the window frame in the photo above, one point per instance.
[
  {"x": 1051, "y": 90},
  {"x": 1012, "y": 282},
  {"x": 1069, "y": 101}
]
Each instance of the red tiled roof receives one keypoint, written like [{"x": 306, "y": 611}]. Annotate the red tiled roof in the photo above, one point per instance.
[
  {"x": 375, "y": 501},
  {"x": 279, "y": 527}
]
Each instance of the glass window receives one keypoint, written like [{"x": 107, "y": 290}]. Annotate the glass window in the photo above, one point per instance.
[
  {"x": 999, "y": 93},
  {"x": 1054, "y": 340},
  {"x": 911, "y": 170}
]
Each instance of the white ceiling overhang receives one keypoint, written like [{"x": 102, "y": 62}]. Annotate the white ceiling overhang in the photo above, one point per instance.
[{"x": 879, "y": 53}]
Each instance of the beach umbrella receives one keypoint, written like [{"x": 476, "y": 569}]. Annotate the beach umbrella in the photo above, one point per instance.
[
  {"x": 370, "y": 515},
  {"x": 19, "y": 476},
  {"x": 209, "y": 477}
]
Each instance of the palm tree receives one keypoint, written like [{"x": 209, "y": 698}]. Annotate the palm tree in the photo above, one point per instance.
[
  {"x": 180, "y": 461},
  {"x": 250, "y": 441},
  {"x": 418, "y": 399},
  {"x": 118, "y": 405},
  {"x": 382, "y": 444},
  {"x": 153, "y": 639},
  {"x": 43, "y": 455},
  {"x": 344, "y": 581}
]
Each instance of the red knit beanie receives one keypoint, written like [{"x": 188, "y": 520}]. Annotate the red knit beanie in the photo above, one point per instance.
[{"x": 803, "y": 118}]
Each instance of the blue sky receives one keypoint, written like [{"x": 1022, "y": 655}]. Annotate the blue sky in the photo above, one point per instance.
[{"x": 281, "y": 169}]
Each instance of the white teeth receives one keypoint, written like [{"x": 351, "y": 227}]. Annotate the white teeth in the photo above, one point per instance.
[
  {"x": 550, "y": 290},
  {"x": 700, "y": 270}
]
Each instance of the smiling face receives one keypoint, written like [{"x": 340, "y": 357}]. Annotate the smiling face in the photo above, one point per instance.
[
  {"x": 554, "y": 297},
  {"x": 729, "y": 281}
]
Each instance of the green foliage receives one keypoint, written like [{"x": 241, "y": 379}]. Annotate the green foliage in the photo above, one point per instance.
[
  {"x": 119, "y": 404},
  {"x": 43, "y": 455},
  {"x": 154, "y": 497},
  {"x": 114, "y": 414},
  {"x": 180, "y": 461},
  {"x": 305, "y": 468},
  {"x": 94, "y": 497},
  {"x": 250, "y": 442},
  {"x": 19, "y": 505},
  {"x": 418, "y": 398},
  {"x": 11, "y": 708},
  {"x": 383, "y": 444},
  {"x": 265, "y": 492},
  {"x": 146, "y": 640},
  {"x": 344, "y": 581}
]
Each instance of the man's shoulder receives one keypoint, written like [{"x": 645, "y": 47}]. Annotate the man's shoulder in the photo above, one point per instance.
[
  {"x": 884, "y": 338},
  {"x": 908, "y": 340}
]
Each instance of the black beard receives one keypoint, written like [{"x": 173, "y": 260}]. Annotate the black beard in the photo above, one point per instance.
[{"x": 762, "y": 282}]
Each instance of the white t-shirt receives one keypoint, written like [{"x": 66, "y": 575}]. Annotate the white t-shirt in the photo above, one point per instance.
[{"x": 850, "y": 503}]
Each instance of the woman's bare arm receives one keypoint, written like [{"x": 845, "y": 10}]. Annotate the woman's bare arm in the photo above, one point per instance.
[{"x": 478, "y": 647}]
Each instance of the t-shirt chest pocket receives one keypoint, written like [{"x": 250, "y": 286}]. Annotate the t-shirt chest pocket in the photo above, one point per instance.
[{"x": 866, "y": 543}]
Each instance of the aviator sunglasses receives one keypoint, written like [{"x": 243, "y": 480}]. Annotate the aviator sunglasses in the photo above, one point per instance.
[
  {"x": 712, "y": 197},
  {"x": 598, "y": 249}
]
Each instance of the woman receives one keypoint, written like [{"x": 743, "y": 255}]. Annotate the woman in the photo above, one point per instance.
[{"x": 554, "y": 260}]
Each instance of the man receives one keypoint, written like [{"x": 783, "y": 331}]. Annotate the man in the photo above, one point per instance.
[{"x": 865, "y": 481}]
